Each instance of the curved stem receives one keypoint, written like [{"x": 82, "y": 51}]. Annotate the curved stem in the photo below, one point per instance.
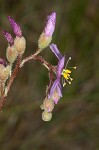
[{"x": 30, "y": 57}]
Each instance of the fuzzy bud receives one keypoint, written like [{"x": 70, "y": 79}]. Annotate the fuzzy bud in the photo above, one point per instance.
[
  {"x": 11, "y": 53},
  {"x": 46, "y": 116},
  {"x": 48, "y": 105},
  {"x": 4, "y": 72},
  {"x": 16, "y": 28},
  {"x": 44, "y": 41},
  {"x": 46, "y": 36},
  {"x": 20, "y": 44},
  {"x": 8, "y": 37}
]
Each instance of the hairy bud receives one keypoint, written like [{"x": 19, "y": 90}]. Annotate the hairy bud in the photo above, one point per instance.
[
  {"x": 46, "y": 36},
  {"x": 48, "y": 105},
  {"x": 11, "y": 53},
  {"x": 44, "y": 41},
  {"x": 20, "y": 44},
  {"x": 46, "y": 116},
  {"x": 4, "y": 72}
]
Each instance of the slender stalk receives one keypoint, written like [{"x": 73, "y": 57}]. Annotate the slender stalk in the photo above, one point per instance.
[{"x": 30, "y": 57}]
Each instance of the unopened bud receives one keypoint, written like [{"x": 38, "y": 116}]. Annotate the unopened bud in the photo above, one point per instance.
[
  {"x": 4, "y": 72},
  {"x": 11, "y": 53},
  {"x": 20, "y": 44},
  {"x": 46, "y": 116},
  {"x": 48, "y": 105},
  {"x": 44, "y": 41}
]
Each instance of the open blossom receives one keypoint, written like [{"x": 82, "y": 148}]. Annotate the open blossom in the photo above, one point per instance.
[
  {"x": 56, "y": 89},
  {"x": 46, "y": 36}
]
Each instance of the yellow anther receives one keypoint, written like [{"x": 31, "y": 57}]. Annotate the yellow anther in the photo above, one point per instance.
[
  {"x": 69, "y": 82},
  {"x": 67, "y": 71}
]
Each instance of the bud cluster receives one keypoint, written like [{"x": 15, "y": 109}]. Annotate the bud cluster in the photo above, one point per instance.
[
  {"x": 14, "y": 52},
  {"x": 47, "y": 106}
]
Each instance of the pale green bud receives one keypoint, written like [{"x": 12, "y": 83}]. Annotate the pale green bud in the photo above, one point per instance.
[
  {"x": 4, "y": 72},
  {"x": 48, "y": 105},
  {"x": 20, "y": 44},
  {"x": 11, "y": 53},
  {"x": 46, "y": 116},
  {"x": 44, "y": 41}
]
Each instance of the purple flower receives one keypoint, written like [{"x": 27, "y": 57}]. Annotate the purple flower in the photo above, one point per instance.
[
  {"x": 15, "y": 26},
  {"x": 50, "y": 25},
  {"x": 61, "y": 59},
  {"x": 8, "y": 37},
  {"x": 56, "y": 89}
]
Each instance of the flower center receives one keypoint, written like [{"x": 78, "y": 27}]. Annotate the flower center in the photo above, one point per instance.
[{"x": 66, "y": 74}]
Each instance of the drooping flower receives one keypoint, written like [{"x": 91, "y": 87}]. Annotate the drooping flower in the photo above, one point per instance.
[
  {"x": 46, "y": 36},
  {"x": 61, "y": 64},
  {"x": 56, "y": 89}
]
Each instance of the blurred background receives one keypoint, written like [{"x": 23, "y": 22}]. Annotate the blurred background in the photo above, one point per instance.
[{"x": 75, "y": 122}]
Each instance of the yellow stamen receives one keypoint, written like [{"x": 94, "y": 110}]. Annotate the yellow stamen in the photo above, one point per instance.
[{"x": 66, "y": 71}]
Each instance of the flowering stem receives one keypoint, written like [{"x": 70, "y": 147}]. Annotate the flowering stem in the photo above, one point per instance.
[{"x": 19, "y": 65}]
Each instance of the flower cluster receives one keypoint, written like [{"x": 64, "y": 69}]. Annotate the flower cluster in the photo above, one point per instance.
[{"x": 14, "y": 52}]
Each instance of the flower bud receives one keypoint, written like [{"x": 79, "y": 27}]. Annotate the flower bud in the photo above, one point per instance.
[
  {"x": 20, "y": 44},
  {"x": 46, "y": 116},
  {"x": 4, "y": 72},
  {"x": 48, "y": 105},
  {"x": 16, "y": 28},
  {"x": 8, "y": 37},
  {"x": 46, "y": 36},
  {"x": 11, "y": 53},
  {"x": 44, "y": 41}
]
